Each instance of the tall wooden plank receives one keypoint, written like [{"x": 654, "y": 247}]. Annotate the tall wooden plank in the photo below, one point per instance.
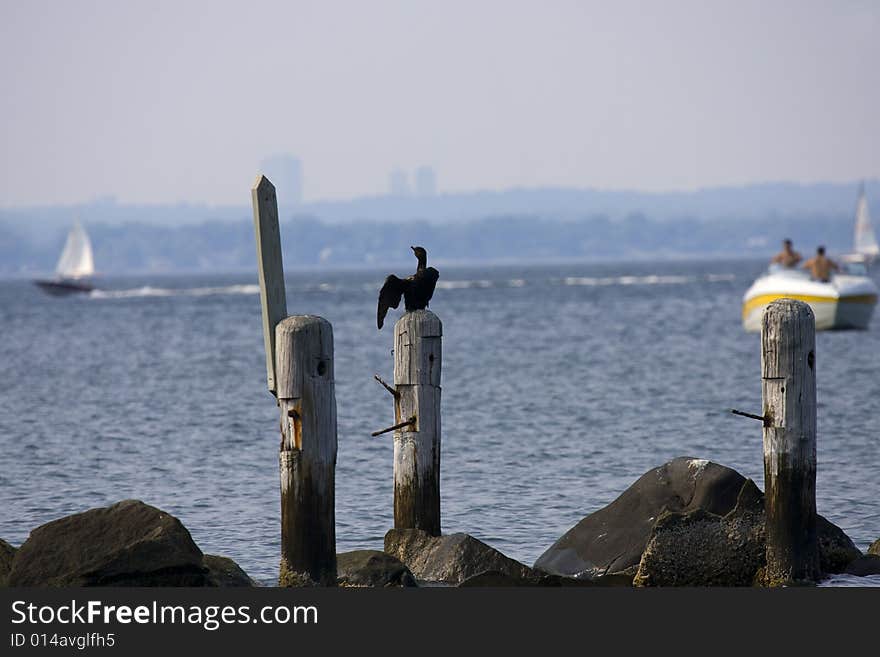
[
  {"x": 788, "y": 386},
  {"x": 271, "y": 270}
]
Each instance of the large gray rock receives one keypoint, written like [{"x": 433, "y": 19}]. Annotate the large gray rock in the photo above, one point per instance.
[
  {"x": 127, "y": 544},
  {"x": 495, "y": 578},
  {"x": 868, "y": 564},
  {"x": 372, "y": 568},
  {"x": 699, "y": 548},
  {"x": 7, "y": 552},
  {"x": 836, "y": 549},
  {"x": 224, "y": 572},
  {"x": 288, "y": 578},
  {"x": 612, "y": 539},
  {"x": 450, "y": 559},
  {"x": 687, "y": 522}
]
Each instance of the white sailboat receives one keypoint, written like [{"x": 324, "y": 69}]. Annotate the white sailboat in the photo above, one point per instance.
[
  {"x": 865, "y": 247},
  {"x": 74, "y": 267},
  {"x": 846, "y": 301}
]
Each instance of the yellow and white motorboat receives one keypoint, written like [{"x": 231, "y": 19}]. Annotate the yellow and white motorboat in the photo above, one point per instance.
[{"x": 847, "y": 301}]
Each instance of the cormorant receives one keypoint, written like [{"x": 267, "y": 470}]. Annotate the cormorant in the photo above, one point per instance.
[{"x": 416, "y": 290}]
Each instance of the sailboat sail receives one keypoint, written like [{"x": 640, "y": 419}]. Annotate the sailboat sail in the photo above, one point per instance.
[
  {"x": 865, "y": 240},
  {"x": 76, "y": 259}
]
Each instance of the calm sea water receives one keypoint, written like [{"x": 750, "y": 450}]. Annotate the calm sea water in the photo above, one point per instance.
[{"x": 561, "y": 386}]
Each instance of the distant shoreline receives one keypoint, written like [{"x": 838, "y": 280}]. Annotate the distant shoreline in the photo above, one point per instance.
[{"x": 452, "y": 265}]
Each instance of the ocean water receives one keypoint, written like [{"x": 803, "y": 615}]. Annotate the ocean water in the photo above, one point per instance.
[{"x": 561, "y": 386}]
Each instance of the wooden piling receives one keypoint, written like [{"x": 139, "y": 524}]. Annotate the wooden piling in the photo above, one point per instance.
[
  {"x": 417, "y": 358},
  {"x": 307, "y": 399},
  {"x": 788, "y": 373}
]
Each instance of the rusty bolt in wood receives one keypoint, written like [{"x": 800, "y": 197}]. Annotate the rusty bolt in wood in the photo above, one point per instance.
[
  {"x": 387, "y": 387},
  {"x": 400, "y": 425}
]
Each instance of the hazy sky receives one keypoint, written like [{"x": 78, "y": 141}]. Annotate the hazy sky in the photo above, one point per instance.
[{"x": 154, "y": 101}]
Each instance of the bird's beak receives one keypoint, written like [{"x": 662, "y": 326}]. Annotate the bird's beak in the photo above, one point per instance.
[{"x": 413, "y": 248}]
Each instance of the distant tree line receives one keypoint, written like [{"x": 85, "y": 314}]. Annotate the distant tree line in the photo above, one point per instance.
[{"x": 227, "y": 245}]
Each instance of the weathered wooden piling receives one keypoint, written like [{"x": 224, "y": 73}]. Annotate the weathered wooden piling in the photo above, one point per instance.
[
  {"x": 417, "y": 358},
  {"x": 788, "y": 373},
  {"x": 307, "y": 399},
  {"x": 299, "y": 372}
]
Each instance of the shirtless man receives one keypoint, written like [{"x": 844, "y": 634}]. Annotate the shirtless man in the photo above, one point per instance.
[
  {"x": 820, "y": 266},
  {"x": 788, "y": 257}
]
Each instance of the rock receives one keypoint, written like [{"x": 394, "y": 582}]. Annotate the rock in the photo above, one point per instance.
[
  {"x": 699, "y": 548},
  {"x": 496, "y": 578},
  {"x": 450, "y": 559},
  {"x": 687, "y": 522},
  {"x": 7, "y": 552},
  {"x": 874, "y": 548},
  {"x": 371, "y": 568},
  {"x": 224, "y": 572},
  {"x": 868, "y": 564},
  {"x": 612, "y": 539},
  {"x": 292, "y": 579},
  {"x": 127, "y": 544},
  {"x": 836, "y": 549}
]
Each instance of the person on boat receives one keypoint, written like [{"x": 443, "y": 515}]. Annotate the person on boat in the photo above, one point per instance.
[
  {"x": 788, "y": 257},
  {"x": 821, "y": 266}
]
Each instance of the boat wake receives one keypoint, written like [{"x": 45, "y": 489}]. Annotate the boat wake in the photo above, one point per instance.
[
  {"x": 652, "y": 279},
  {"x": 149, "y": 291},
  {"x": 461, "y": 285}
]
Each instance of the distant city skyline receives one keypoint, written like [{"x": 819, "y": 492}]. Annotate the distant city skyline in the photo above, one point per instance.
[
  {"x": 126, "y": 100},
  {"x": 426, "y": 181},
  {"x": 421, "y": 183},
  {"x": 398, "y": 183},
  {"x": 286, "y": 173}
]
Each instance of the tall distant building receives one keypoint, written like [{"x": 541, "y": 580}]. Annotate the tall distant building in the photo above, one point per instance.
[
  {"x": 285, "y": 172},
  {"x": 398, "y": 184},
  {"x": 426, "y": 181}
]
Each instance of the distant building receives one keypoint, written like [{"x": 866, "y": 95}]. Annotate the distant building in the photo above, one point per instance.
[
  {"x": 285, "y": 172},
  {"x": 426, "y": 181},
  {"x": 398, "y": 183}
]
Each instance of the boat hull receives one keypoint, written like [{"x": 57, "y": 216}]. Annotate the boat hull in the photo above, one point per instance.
[
  {"x": 64, "y": 288},
  {"x": 847, "y": 302},
  {"x": 830, "y": 314}
]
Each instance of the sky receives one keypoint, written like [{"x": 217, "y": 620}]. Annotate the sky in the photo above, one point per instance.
[{"x": 163, "y": 102}]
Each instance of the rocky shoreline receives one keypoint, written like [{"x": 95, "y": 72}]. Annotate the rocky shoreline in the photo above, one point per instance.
[{"x": 689, "y": 522}]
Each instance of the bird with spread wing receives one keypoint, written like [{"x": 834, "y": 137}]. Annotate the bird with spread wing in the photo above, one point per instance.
[{"x": 416, "y": 290}]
